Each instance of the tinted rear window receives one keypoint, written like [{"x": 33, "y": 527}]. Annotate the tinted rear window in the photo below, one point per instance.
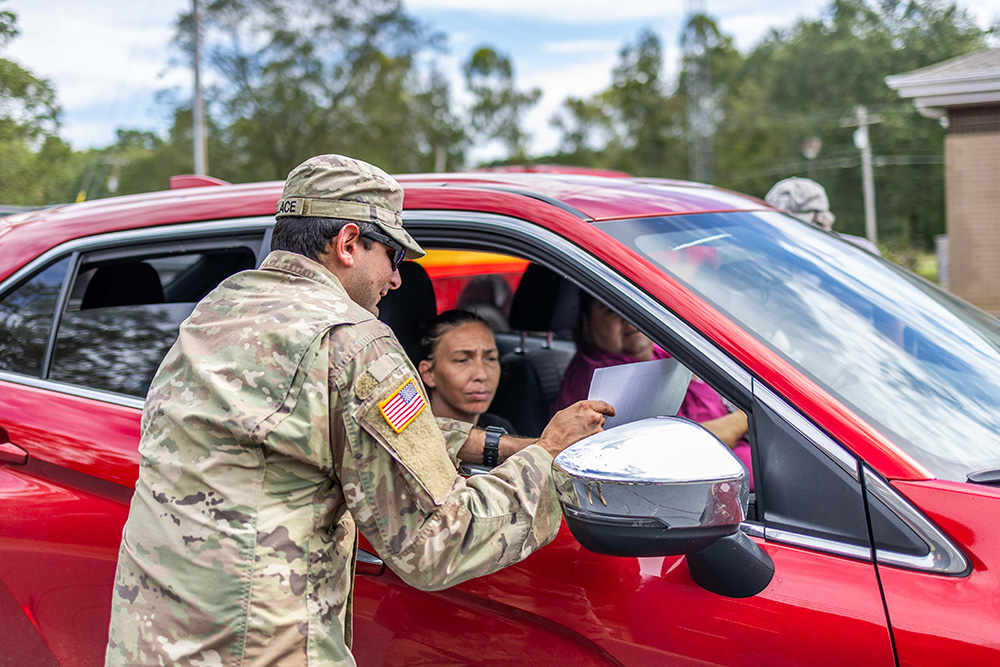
[{"x": 26, "y": 316}]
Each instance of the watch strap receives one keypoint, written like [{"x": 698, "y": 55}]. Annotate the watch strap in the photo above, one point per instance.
[{"x": 491, "y": 447}]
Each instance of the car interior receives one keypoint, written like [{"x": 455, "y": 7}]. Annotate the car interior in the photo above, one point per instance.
[
  {"x": 533, "y": 326},
  {"x": 534, "y": 336}
]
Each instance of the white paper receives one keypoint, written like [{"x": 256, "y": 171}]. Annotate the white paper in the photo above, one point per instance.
[{"x": 640, "y": 390}]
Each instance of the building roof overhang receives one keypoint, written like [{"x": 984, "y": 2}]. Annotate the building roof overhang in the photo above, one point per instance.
[{"x": 970, "y": 80}]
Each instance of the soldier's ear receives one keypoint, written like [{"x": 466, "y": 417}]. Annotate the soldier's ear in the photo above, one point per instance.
[
  {"x": 425, "y": 367},
  {"x": 346, "y": 244}
]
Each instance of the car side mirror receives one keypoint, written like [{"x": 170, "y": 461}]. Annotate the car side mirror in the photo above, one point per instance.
[{"x": 664, "y": 486}]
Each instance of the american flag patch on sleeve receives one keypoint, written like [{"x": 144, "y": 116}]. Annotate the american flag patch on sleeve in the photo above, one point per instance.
[{"x": 402, "y": 406}]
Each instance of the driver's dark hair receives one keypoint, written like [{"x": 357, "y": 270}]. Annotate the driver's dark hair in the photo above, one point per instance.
[
  {"x": 433, "y": 329},
  {"x": 309, "y": 235}
]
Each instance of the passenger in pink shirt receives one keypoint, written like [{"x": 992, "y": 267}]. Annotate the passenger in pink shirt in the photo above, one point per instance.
[{"x": 604, "y": 338}]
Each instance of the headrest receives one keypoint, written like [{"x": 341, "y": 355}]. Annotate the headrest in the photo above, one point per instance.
[
  {"x": 544, "y": 301},
  {"x": 129, "y": 284},
  {"x": 406, "y": 308}
]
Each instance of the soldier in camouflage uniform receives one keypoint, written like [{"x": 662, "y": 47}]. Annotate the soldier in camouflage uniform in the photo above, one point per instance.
[{"x": 286, "y": 418}]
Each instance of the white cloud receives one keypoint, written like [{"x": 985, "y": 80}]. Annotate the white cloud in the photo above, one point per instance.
[
  {"x": 110, "y": 55},
  {"x": 580, "y": 79},
  {"x": 567, "y": 11},
  {"x": 581, "y": 46},
  {"x": 986, "y": 12},
  {"x": 92, "y": 57},
  {"x": 461, "y": 38}
]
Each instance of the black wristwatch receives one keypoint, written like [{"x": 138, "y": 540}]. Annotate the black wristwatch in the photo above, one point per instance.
[{"x": 491, "y": 448}]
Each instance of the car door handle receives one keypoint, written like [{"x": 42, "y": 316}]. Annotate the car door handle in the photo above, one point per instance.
[
  {"x": 369, "y": 563},
  {"x": 9, "y": 452}
]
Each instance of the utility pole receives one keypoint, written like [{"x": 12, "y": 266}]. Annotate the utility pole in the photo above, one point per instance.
[
  {"x": 200, "y": 158},
  {"x": 862, "y": 120},
  {"x": 810, "y": 150},
  {"x": 701, "y": 104}
]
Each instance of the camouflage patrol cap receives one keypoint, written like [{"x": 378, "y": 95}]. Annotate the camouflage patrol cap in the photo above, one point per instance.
[
  {"x": 334, "y": 186},
  {"x": 804, "y": 198}
]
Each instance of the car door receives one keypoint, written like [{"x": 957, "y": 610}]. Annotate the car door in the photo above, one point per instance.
[
  {"x": 565, "y": 604},
  {"x": 82, "y": 330}
]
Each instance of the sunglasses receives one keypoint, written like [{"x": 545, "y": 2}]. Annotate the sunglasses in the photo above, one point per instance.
[{"x": 398, "y": 250}]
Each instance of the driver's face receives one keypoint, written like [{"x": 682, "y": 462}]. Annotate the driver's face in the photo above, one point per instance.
[{"x": 608, "y": 331}]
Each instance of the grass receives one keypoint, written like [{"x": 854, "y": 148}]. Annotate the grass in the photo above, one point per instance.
[{"x": 921, "y": 262}]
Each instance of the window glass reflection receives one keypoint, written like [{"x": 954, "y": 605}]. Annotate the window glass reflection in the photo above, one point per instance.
[
  {"x": 26, "y": 320},
  {"x": 116, "y": 349}
]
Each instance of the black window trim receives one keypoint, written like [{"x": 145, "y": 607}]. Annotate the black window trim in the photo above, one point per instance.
[
  {"x": 943, "y": 557},
  {"x": 67, "y": 285}
]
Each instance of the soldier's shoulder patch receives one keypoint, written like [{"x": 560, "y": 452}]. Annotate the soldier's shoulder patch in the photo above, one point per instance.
[{"x": 402, "y": 406}]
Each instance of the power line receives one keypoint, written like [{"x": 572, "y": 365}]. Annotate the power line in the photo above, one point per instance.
[{"x": 830, "y": 163}]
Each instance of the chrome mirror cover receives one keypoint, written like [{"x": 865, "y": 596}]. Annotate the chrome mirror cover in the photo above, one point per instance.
[{"x": 659, "y": 486}]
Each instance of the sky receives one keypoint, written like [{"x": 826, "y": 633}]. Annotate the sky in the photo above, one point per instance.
[{"x": 109, "y": 59}]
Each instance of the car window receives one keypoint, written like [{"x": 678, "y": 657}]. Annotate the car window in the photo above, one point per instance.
[
  {"x": 539, "y": 346},
  {"x": 123, "y": 313},
  {"x": 26, "y": 315}
]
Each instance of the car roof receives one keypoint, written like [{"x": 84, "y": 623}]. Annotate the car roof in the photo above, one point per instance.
[
  {"x": 553, "y": 169},
  {"x": 590, "y": 198}
]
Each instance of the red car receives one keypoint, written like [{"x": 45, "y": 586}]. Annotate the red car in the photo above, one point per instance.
[{"x": 874, "y": 404}]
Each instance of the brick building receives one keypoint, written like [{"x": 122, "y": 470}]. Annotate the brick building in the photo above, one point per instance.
[{"x": 966, "y": 92}]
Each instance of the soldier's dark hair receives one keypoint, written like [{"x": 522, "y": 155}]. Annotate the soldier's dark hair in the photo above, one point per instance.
[
  {"x": 309, "y": 235},
  {"x": 433, "y": 329}
]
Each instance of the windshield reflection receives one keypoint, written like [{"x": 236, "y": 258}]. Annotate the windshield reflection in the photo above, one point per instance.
[{"x": 918, "y": 364}]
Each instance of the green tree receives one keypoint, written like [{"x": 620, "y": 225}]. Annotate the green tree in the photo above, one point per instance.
[
  {"x": 441, "y": 139},
  {"x": 709, "y": 70},
  {"x": 35, "y": 164},
  {"x": 798, "y": 82},
  {"x": 646, "y": 122},
  {"x": 805, "y": 80},
  {"x": 499, "y": 107},
  {"x": 585, "y": 128},
  {"x": 304, "y": 76}
]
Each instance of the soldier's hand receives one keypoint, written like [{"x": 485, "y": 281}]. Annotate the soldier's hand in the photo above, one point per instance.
[{"x": 574, "y": 423}]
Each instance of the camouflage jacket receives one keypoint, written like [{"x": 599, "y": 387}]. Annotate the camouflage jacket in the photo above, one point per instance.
[{"x": 284, "y": 418}]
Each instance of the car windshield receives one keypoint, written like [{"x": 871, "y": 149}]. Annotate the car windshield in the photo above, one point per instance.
[{"x": 920, "y": 365}]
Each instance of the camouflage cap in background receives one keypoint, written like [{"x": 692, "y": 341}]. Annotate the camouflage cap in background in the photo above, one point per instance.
[
  {"x": 804, "y": 198},
  {"x": 334, "y": 186}
]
